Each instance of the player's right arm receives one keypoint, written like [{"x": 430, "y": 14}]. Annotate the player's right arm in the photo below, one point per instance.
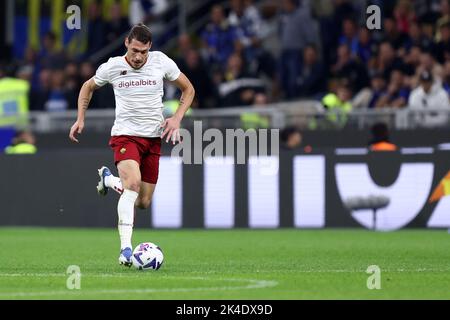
[{"x": 84, "y": 98}]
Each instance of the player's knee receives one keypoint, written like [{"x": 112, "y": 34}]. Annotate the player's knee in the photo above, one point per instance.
[
  {"x": 144, "y": 203},
  {"x": 134, "y": 186}
]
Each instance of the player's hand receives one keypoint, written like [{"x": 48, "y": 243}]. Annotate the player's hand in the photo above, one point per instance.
[
  {"x": 77, "y": 128},
  {"x": 171, "y": 130}
]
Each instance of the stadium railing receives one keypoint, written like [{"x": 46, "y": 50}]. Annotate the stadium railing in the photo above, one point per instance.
[{"x": 305, "y": 114}]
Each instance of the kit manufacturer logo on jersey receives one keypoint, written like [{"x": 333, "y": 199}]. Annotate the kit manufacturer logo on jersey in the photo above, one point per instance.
[
  {"x": 124, "y": 72},
  {"x": 123, "y": 150}
]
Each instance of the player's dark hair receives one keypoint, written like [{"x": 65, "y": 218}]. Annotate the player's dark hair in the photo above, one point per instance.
[{"x": 141, "y": 33}]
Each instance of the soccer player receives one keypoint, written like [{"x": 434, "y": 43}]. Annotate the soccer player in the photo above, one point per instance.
[{"x": 139, "y": 126}]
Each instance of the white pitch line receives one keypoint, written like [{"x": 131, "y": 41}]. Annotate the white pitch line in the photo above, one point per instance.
[
  {"x": 253, "y": 284},
  {"x": 140, "y": 274}
]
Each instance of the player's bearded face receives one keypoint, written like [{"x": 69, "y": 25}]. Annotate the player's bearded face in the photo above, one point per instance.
[{"x": 137, "y": 53}]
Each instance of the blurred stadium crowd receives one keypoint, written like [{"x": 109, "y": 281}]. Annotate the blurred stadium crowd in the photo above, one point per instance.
[{"x": 258, "y": 52}]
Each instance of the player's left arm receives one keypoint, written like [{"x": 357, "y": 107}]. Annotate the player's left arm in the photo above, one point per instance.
[{"x": 172, "y": 125}]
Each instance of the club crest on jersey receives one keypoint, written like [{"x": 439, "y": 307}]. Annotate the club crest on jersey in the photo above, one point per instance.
[
  {"x": 124, "y": 72},
  {"x": 123, "y": 150}
]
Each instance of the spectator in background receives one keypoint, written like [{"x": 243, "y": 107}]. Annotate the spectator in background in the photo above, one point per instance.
[
  {"x": 23, "y": 142},
  {"x": 31, "y": 63},
  {"x": 183, "y": 47},
  {"x": 250, "y": 31},
  {"x": 426, "y": 9},
  {"x": 350, "y": 69},
  {"x": 338, "y": 104},
  {"x": 446, "y": 77},
  {"x": 25, "y": 73},
  {"x": 397, "y": 93},
  {"x": 50, "y": 57},
  {"x": 72, "y": 84},
  {"x": 236, "y": 18},
  {"x": 365, "y": 47},
  {"x": 444, "y": 17},
  {"x": 349, "y": 35},
  {"x": 260, "y": 100},
  {"x": 57, "y": 99},
  {"x": 87, "y": 71},
  {"x": 146, "y": 11},
  {"x": 312, "y": 78},
  {"x": 392, "y": 34},
  {"x": 427, "y": 30},
  {"x": 72, "y": 75},
  {"x": 96, "y": 29},
  {"x": 331, "y": 27},
  {"x": 297, "y": 30},
  {"x": 411, "y": 61},
  {"x": 219, "y": 38},
  {"x": 194, "y": 68},
  {"x": 343, "y": 9},
  {"x": 427, "y": 96},
  {"x": 387, "y": 60},
  {"x": 443, "y": 46},
  {"x": 238, "y": 88},
  {"x": 39, "y": 95},
  {"x": 380, "y": 138},
  {"x": 116, "y": 28},
  {"x": 254, "y": 21},
  {"x": 404, "y": 15},
  {"x": 14, "y": 99},
  {"x": 269, "y": 29},
  {"x": 378, "y": 89},
  {"x": 254, "y": 120},
  {"x": 427, "y": 63},
  {"x": 291, "y": 138},
  {"x": 416, "y": 38}
]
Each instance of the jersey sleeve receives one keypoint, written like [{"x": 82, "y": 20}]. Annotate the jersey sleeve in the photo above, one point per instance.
[
  {"x": 171, "y": 70},
  {"x": 102, "y": 75}
]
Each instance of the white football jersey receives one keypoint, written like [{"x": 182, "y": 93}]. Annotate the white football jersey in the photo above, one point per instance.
[{"x": 138, "y": 92}]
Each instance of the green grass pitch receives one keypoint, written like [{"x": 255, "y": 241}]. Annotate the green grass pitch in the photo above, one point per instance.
[{"x": 227, "y": 264}]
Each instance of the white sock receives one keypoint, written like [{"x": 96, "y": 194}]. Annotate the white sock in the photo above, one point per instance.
[
  {"x": 125, "y": 209},
  {"x": 115, "y": 183}
]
